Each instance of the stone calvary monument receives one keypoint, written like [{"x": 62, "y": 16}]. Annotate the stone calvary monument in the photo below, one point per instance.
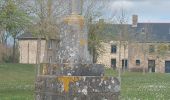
[{"x": 74, "y": 76}]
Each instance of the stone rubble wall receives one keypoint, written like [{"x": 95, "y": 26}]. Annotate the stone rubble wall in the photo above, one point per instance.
[
  {"x": 135, "y": 52},
  {"x": 106, "y": 56},
  {"x": 28, "y": 51}
]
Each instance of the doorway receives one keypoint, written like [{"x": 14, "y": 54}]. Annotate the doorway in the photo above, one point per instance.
[
  {"x": 151, "y": 65},
  {"x": 167, "y": 66},
  {"x": 113, "y": 63},
  {"x": 125, "y": 64}
]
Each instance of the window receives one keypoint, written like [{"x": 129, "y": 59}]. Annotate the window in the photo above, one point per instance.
[
  {"x": 50, "y": 44},
  {"x": 151, "y": 48},
  {"x": 113, "y": 48},
  {"x": 143, "y": 30},
  {"x": 50, "y": 59},
  {"x": 137, "y": 62}
]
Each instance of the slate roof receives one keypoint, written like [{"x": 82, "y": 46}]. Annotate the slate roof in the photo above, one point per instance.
[
  {"x": 155, "y": 32},
  {"x": 144, "y": 32},
  {"x": 112, "y": 31},
  {"x": 27, "y": 36}
]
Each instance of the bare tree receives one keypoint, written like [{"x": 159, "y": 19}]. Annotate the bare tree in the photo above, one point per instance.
[
  {"x": 92, "y": 11},
  {"x": 47, "y": 16},
  {"x": 123, "y": 29},
  {"x": 146, "y": 32}
]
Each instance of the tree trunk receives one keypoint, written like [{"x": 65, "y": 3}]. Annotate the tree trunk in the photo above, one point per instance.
[
  {"x": 14, "y": 49},
  {"x": 38, "y": 55},
  {"x": 119, "y": 67},
  {"x": 124, "y": 61},
  {"x": 144, "y": 64},
  {"x": 94, "y": 55}
]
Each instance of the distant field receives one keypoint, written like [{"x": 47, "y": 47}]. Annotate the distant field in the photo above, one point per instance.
[{"x": 17, "y": 83}]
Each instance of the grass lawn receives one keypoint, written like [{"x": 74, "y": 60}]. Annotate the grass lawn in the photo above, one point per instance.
[
  {"x": 17, "y": 83},
  {"x": 151, "y": 86}
]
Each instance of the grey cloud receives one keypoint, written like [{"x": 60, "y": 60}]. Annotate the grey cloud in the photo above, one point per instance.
[{"x": 151, "y": 9}]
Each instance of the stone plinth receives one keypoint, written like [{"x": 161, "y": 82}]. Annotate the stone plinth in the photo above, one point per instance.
[
  {"x": 73, "y": 69},
  {"x": 76, "y": 82},
  {"x": 77, "y": 88}
]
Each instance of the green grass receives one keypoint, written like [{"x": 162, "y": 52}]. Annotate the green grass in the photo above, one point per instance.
[
  {"x": 110, "y": 72},
  {"x": 17, "y": 83},
  {"x": 151, "y": 86},
  {"x": 139, "y": 86}
]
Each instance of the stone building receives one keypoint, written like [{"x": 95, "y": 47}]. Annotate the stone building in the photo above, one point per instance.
[
  {"x": 147, "y": 47},
  {"x": 28, "y": 49},
  {"x": 112, "y": 53}
]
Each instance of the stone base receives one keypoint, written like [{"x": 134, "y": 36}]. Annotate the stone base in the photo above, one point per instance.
[
  {"x": 77, "y": 88},
  {"x": 73, "y": 69},
  {"x": 76, "y": 82}
]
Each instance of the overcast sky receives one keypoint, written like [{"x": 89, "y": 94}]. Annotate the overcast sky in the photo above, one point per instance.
[{"x": 147, "y": 10}]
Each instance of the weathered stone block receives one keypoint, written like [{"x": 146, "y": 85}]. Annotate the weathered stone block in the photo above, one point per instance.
[
  {"x": 74, "y": 69},
  {"x": 77, "y": 88}
]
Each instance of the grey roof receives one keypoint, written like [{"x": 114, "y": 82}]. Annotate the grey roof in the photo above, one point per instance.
[
  {"x": 159, "y": 32},
  {"x": 27, "y": 36},
  {"x": 148, "y": 32},
  {"x": 111, "y": 31},
  {"x": 144, "y": 32}
]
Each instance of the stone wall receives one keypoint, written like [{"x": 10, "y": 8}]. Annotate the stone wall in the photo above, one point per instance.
[
  {"x": 140, "y": 51},
  {"x": 133, "y": 52},
  {"x": 106, "y": 56},
  {"x": 28, "y": 51}
]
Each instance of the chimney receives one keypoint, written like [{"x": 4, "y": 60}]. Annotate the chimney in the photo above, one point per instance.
[{"x": 134, "y": 20}]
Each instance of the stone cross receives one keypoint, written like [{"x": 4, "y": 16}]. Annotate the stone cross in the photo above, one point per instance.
[
  {"x": 76, "y": 6},
  {"x": 74, "y": 76}
]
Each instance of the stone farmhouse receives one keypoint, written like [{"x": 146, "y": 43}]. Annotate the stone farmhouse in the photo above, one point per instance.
[{"x": 147, "y": 46}]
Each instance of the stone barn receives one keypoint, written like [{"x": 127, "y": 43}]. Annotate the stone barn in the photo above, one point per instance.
[{"x": 28, "y": 49}]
